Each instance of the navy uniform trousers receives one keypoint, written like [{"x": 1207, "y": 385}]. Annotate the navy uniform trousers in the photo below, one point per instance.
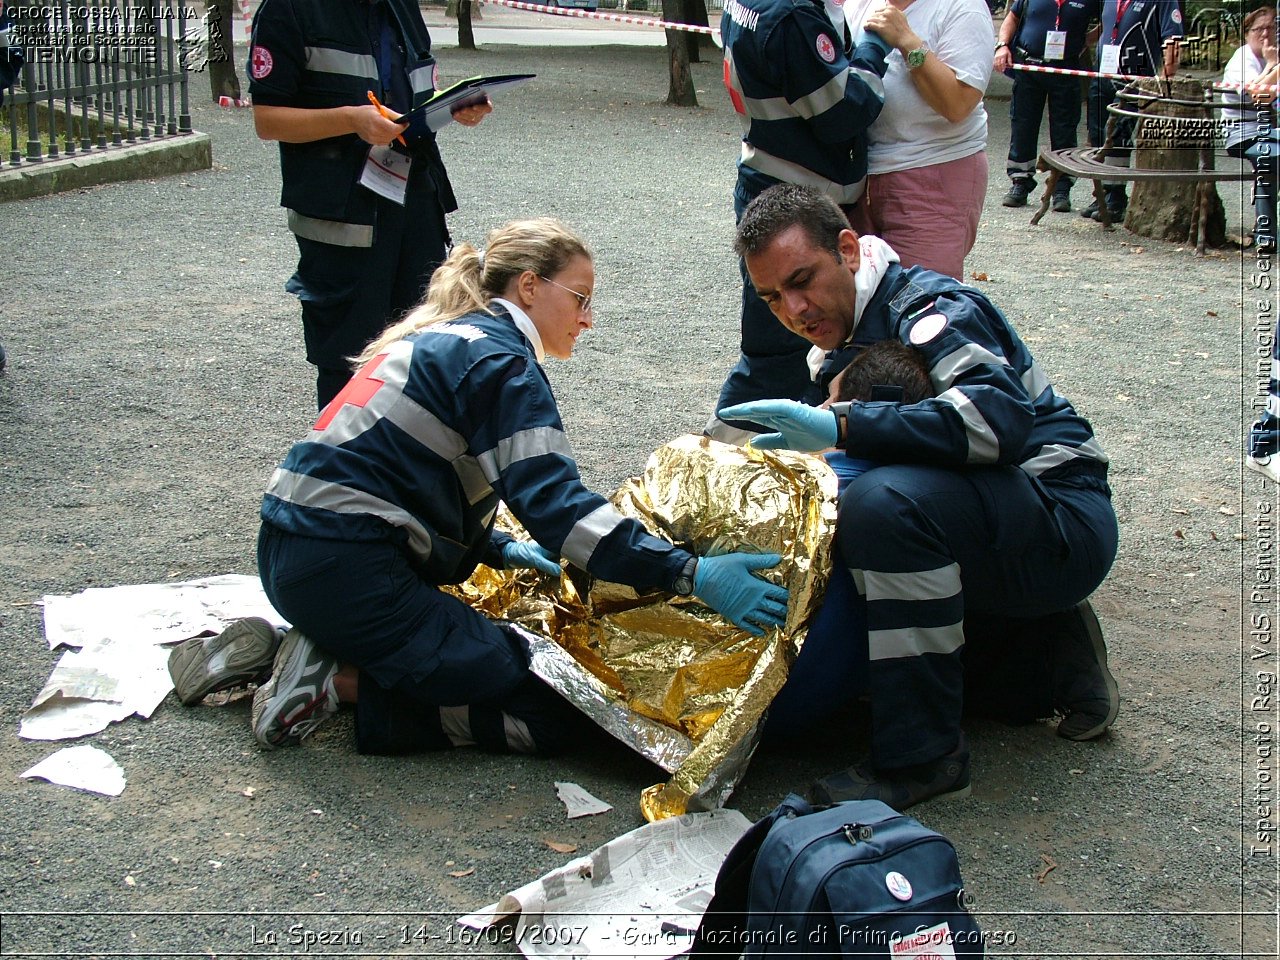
[
  {"x": 433, "y": 672},
  {"x": 1031, "y": 92},
  {"x": 350, "y": 295},
  {"x": 928, "y": 547}
]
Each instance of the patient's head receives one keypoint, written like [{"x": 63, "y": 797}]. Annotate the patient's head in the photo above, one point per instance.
[{"x": 888, "y": 370}]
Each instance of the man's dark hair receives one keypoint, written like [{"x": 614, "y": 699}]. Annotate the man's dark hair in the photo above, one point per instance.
[
  {"x": 889, "y": 363},
  {"x": 784, "y": 206}
]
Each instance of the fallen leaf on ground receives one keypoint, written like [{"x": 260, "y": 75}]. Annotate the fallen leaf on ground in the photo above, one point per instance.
[
  {"x": 1049, "y": 866},
  {"x": 559, "y": 847},
  {"x": 975, "y": 275},
  {"x": 462, "y": 873}
]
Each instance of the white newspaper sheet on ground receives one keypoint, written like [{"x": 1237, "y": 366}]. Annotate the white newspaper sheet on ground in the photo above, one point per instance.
[
  {"x": 84, "y": 768},
  {"x": 97, "y": 686},
  {"x": 122, "y": 669},
  {"x": 578, "y": 802},
  {"x": 150, "y": 613},
  {"x": 640, "y": 895}
]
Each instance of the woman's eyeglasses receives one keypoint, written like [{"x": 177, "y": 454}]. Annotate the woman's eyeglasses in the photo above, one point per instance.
[{"x": 584, "y": 300}]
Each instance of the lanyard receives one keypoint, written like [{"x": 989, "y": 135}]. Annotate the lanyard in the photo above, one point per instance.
[
  {"x": 382, "y": 18},
  {"x": 1121, "y": 7},
  {"x": 1057, "y": 17}
]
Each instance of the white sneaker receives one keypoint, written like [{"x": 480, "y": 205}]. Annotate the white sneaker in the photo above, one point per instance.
[
  {"x": 1269, "y": 467},
  {"x": 298, "y": 697}
]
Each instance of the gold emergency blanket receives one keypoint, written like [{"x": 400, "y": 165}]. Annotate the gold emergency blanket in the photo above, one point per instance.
[{"x": 670, "y": 659}]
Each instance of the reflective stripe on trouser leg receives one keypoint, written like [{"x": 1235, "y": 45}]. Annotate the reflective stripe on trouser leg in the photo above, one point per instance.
[{"x": 915, "y": 622}]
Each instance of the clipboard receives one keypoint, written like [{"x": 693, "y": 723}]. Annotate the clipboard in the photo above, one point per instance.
[{"x": 438, "y": 111}]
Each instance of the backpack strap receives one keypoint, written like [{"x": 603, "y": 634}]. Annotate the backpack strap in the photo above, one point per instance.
[{"x": 725, "y": 920}]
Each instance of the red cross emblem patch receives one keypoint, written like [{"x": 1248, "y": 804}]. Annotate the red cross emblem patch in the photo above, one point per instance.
[
  {"x": 260, "y": 62},
  {"x": 826, "y": 49}
]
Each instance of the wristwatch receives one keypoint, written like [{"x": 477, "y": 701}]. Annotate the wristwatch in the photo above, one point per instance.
[
  {"x": 1002, "y": 43},
  {"x": 683, "y": 584},
  {"x": 841, "y": 410},
  {"x": 916, "y": 58}
]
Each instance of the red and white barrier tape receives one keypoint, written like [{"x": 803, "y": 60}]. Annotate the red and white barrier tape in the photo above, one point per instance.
[
  {"x": 611, "y": 17},
  {"x": 1035, "y": 68}
]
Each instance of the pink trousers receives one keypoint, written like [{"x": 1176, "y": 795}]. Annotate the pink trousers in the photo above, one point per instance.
[{"x": 929, "y": 215}]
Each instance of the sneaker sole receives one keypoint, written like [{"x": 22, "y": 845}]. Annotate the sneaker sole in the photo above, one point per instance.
[
  {"x": 275, "y": 719},
  {"x": 250, "y": 647},
  {"x": 1263, "y": 467},
  {"x": 1094, "y": 630}
]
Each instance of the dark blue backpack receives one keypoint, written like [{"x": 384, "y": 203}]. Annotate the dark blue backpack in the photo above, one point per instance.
[{"x": 853, "y": 879}]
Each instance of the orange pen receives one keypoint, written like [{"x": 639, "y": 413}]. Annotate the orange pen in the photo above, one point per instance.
[{"x": 390, "y": 115}]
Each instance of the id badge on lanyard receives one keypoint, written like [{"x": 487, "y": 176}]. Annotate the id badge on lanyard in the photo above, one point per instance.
[
  {"x": 1055, "y": 44},
  {"x": 386, "y": 173},
  {"x": 1110, "y": 62}
]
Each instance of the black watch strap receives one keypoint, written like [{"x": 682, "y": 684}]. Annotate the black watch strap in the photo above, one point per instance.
[
  {"x": 683, "y": 584},
  {"x": 841, "y": 410}
]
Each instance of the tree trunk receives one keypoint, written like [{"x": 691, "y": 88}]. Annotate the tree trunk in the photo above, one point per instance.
[
  {"x": 694, "y": 12},
  {"x": 681, "y": 92},
  {"x": 1167, "y": 209},
  {"x": 223, "y": 81},
  {"x": 466, "y": 36}
]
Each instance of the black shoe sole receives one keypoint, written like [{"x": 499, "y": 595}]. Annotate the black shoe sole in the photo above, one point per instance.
[{"x": 1091, "y": 726}]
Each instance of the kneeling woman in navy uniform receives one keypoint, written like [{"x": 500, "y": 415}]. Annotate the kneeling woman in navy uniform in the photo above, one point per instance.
[{"x": 393, "y": 493}]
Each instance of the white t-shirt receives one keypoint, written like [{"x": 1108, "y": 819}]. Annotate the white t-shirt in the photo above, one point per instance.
[
  {"x": 909, "y": 133},
  {"x": 1243, "y": 67}
]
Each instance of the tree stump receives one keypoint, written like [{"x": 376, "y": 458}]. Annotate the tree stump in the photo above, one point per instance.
[
  {"x": 1175, "y": 134},
  {"x": 223, "y": 81}
]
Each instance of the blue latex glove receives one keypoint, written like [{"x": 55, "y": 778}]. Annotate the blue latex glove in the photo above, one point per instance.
[
  {"x": 530, "y": 555},
  {"x": 799, "y": 426},
  {"x": 727, "y": 586}
]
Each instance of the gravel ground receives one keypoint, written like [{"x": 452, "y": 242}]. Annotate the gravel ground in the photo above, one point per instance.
[{"x": 156, "y": 377}]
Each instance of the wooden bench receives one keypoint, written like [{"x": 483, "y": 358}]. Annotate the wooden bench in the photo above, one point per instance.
[{"x": 1188, "y": 143}]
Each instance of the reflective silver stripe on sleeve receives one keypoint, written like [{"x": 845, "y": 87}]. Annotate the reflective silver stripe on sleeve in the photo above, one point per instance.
[
  {"x": 333, "y": 232},
  {"x": 1056, "y": 454},
  {"x": 789, "y": 172},
  {"x": 329, "y": 60},
  {"x": 305, "y": 491},
  {"x": 1035, "y": 382},
  {"x": 523, "y": 445},
  {"x": 946, "y": 368},
  {"x": 983, "y": 445},
  {"x": 914, "y": 641},
  {"x": 808, "y": 106},
  {"x": 422, "y": 80},
  {"x": 939, "y": 584},
  {"x": 471, "y": 476},
  {"x": 587, "y": 533},
  {"x": 873, "y": 80}
]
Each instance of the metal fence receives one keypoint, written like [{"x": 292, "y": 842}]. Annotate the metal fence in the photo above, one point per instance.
[{"x": 98, "y": 75}]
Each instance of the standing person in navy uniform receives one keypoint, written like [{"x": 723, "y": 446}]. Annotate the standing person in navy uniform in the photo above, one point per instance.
[
  {"x": 1048, "y": 33},
  {"x": 805, "y": 91},
  {"x": 1139, "y": 38},
  {"x": 393, "y": 494},
  {"x": 364, "y": 256},
  {"x": 990, "y": 497}
]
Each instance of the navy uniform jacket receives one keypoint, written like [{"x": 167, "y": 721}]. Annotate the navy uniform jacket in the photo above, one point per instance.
[
  {"x": 1037, "y": 17},
  {"x": 803, "y": 97},
  {"x": 325, "y": 53},
  {"x": 429, "y": 436},
  {"x": 994, "y": 404},
  {"x": 1140, "y": 33}
]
